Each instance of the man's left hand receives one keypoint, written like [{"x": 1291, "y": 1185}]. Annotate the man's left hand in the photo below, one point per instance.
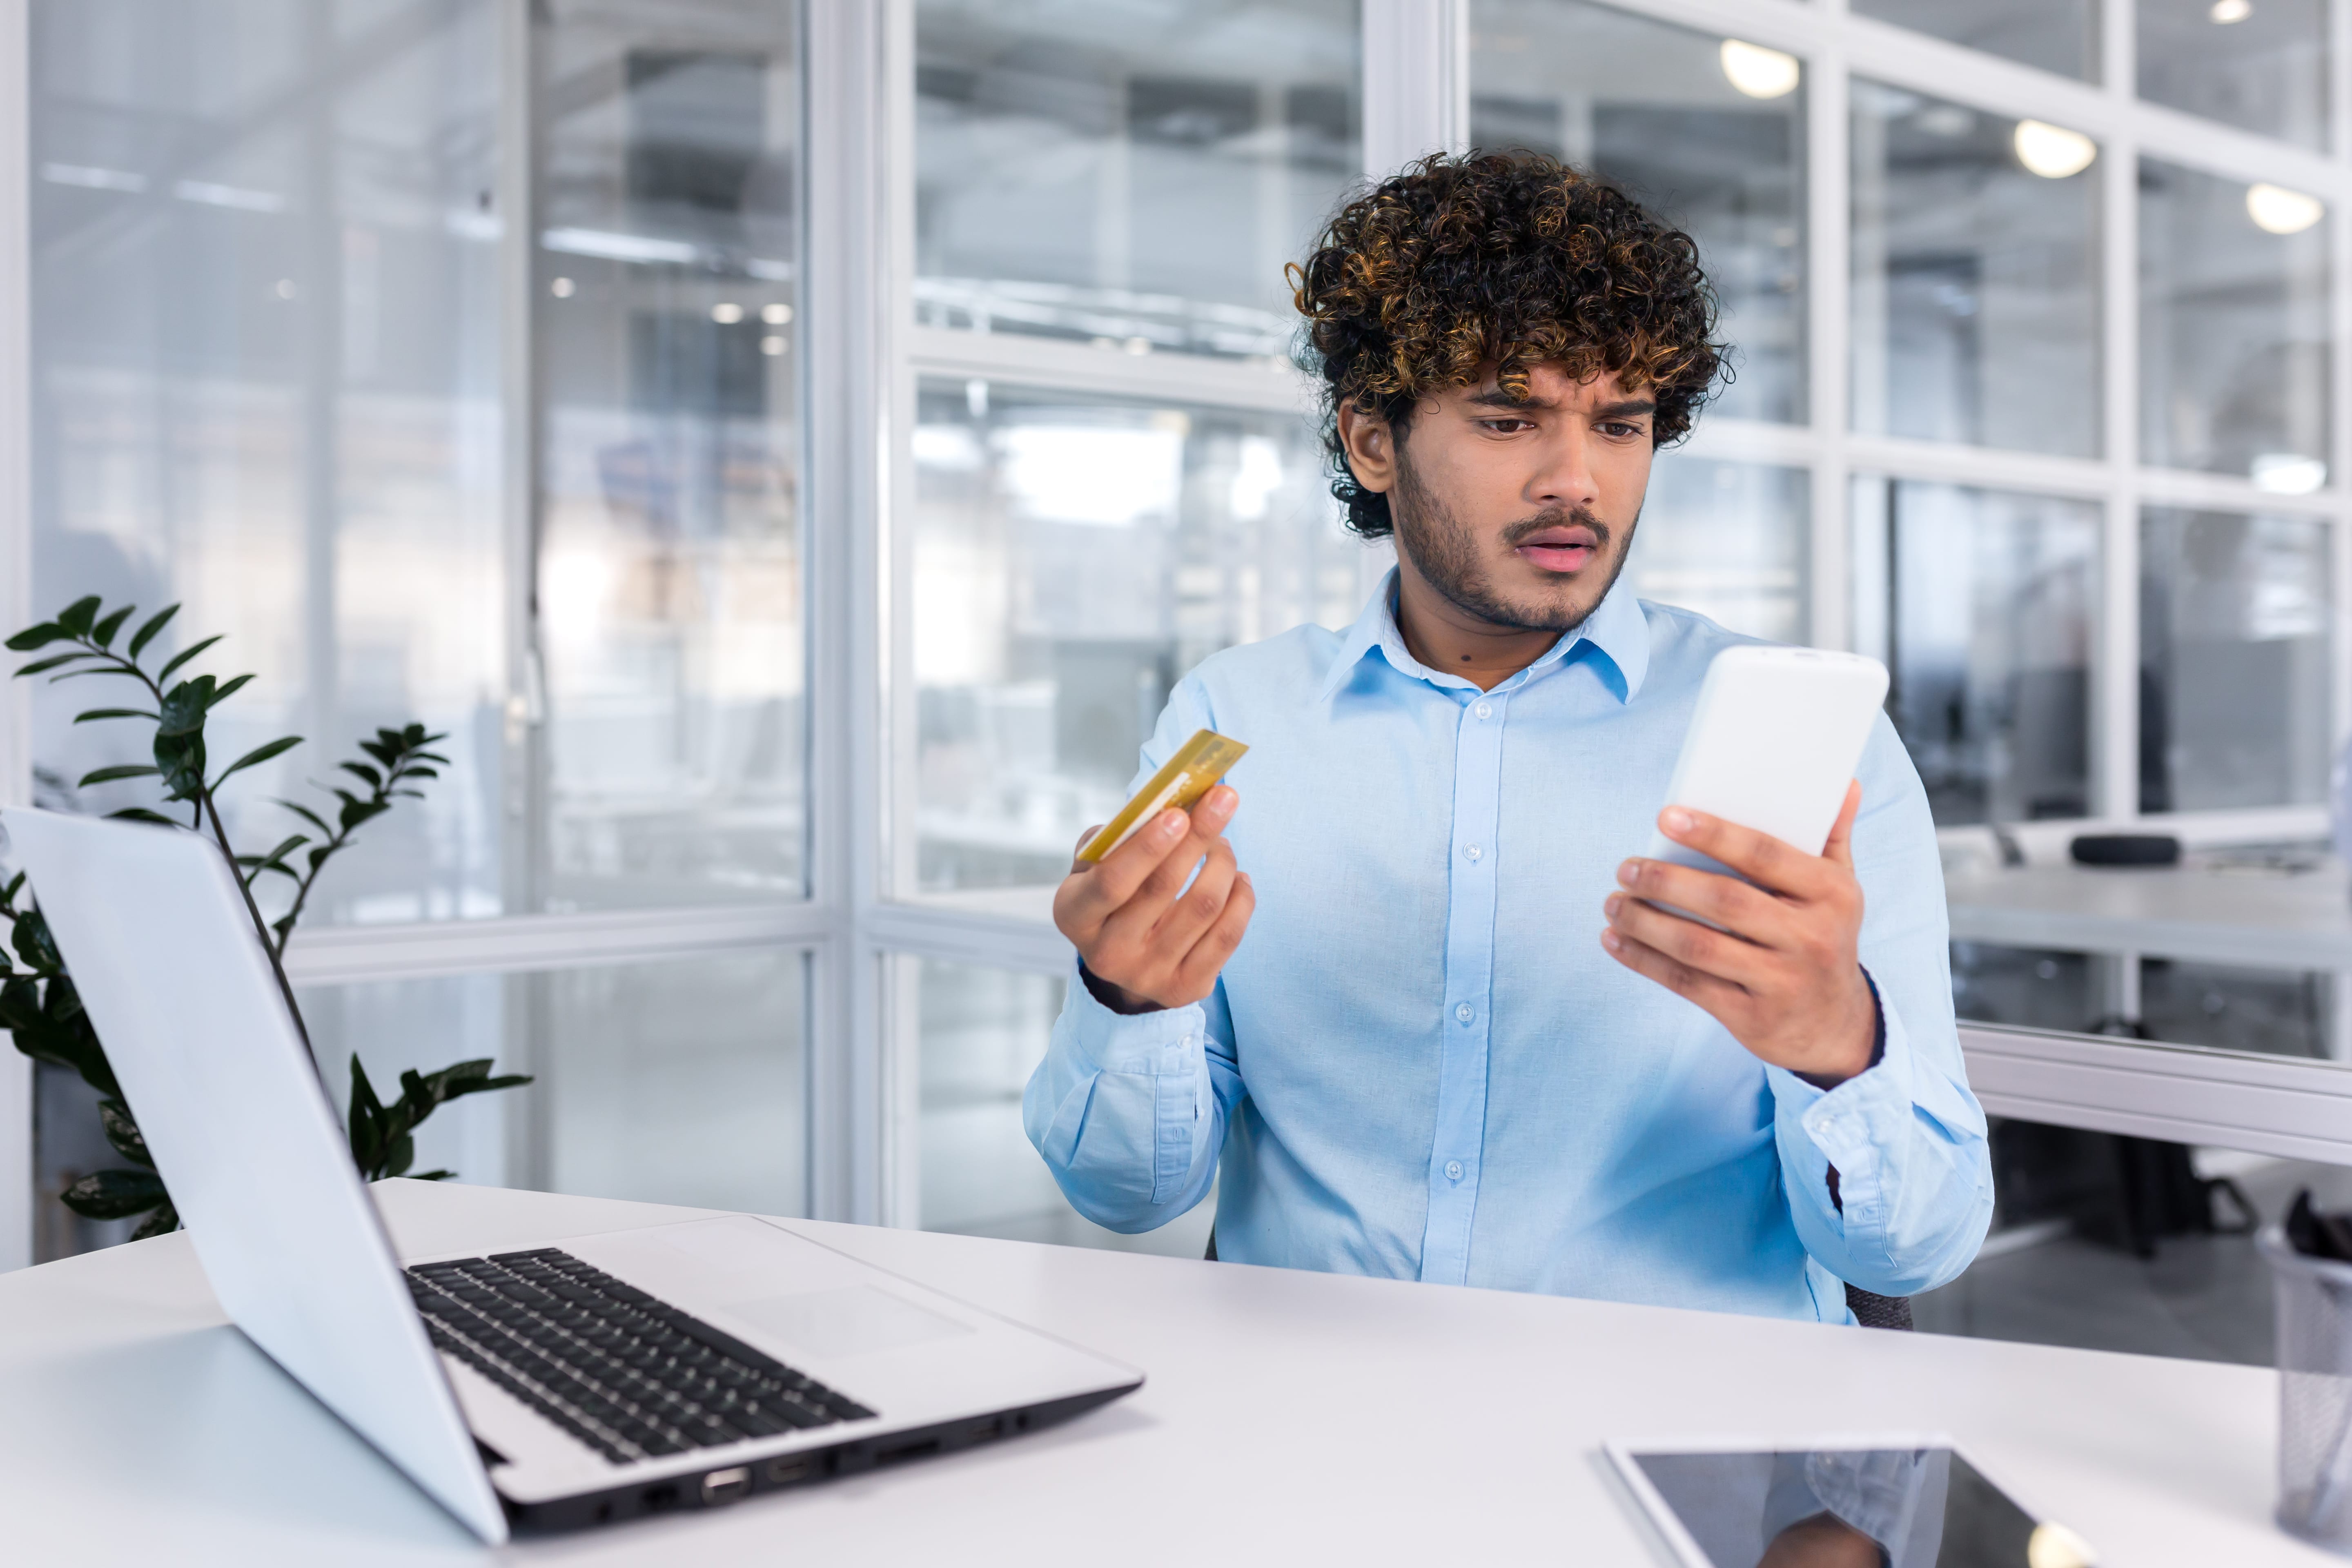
[{"x": 1783, "y": 975}]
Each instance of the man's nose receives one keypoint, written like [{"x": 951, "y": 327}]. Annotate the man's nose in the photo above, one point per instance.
[{"x": 1565, "y": 477}]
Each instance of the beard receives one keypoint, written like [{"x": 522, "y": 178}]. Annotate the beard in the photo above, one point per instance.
[{"x": 1446, "y": 553}]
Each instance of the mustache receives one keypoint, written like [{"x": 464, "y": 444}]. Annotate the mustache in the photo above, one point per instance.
[{"x": 1526, "y": 529}]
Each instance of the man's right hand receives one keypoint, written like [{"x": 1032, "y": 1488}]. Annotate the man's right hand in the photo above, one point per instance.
[{"x": 1145, "y": 948}]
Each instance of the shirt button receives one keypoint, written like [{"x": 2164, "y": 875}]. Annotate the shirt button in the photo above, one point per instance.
[
  {"x": 1471, "y": 851},
  {"x": 1466, "y": 1011},
  {"x": 1484, "y": 709},
  {"x": 1453, "y": 1170}
]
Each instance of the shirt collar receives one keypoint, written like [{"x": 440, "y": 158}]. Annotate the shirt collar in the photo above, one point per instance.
[{"x": 1616, "y": 629}]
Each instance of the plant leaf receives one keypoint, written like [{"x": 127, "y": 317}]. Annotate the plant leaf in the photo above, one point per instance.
[
  {"x": 361, "y": 770},
  {"x": 141, "y": 814},
  {"x": 97, "y": 713},
  {"x": 41, "y": 635},
  {"x": 53, "y": 662},
  {"x": 258, "y": 755},
  {"x": 77, "y": 616},
  {"x": 182, "y": 657},
  {"x": 431, "y": 1175},
  {"x": 307, "y": 815},
  {"x": 227, "y": 689},
  {"x": 146, "y": 634},
  {"x": 103, "y": 633},
  {"x": 115, "y": 1194},
  {"x": 108, "y": 775},
  {"x": 163, "y": 1222},
  {"x": 124, "y": 1132}
]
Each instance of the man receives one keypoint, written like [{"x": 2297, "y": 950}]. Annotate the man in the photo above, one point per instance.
[{"x": 1460, "y": 1042}]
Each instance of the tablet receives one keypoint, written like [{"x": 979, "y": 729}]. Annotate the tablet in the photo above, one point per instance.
[{"x": 1897, "y": 1501}]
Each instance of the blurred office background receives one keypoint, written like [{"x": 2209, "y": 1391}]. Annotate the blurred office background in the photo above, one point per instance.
[{"x": 792, "y": 447}]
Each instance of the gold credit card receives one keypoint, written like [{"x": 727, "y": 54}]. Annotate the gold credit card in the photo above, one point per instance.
[{"x": 1188, "y": 776}]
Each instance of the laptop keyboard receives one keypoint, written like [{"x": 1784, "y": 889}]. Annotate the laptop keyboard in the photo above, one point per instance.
[{"x": 625, "y": 1372}]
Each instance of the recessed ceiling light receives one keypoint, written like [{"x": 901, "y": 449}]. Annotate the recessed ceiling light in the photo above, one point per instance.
[
  {"x": 2277, "y": 210},
  {"x": 726, "y": 313},
  {"x": 2053, "y": 151},
  {"x": 2228, "y": 11},
  {"x": 1757, "y": 71}
]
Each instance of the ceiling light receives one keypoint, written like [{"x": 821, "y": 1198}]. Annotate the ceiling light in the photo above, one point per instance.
[
  {"x": 2228, "y": 11},
  {"x": 772, "y": 345},
  {"x": 726, "y": 313},
  {"x": 562, "y": 288},
  {"x": 775, "y": 313},
  {"x": 2287, "y": 473},
  {"x": 2053, "y": 151},
  {"x": 2277, "y": 210},
  {"x": 1757, "y": 71}
]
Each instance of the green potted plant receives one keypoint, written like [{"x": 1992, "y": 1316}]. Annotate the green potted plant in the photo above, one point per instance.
[{"x": 38, "y": 1006}]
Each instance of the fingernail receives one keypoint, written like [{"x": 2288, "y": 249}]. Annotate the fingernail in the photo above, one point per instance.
[
  {"x": 1677, "y": 820},
  {"x": 1611, "y": 904},
  {"x": 1170, "y": 824},
  {"x": 1610, "y": 940},
  {"x": 1628, "y": 873}
]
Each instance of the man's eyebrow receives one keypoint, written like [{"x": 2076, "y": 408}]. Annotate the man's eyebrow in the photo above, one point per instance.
[
  {"x": 1624, "y": 406},
  {"x": 1496, "y": 397}
]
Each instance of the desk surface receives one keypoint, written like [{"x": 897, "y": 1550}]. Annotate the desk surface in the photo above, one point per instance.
[
  {"x": 1289, "y": 1417},
  {"x": 2219, "y": 913}
]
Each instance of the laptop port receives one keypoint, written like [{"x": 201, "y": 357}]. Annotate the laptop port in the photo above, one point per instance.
[
  {"x": 784, "y": 1472},
  {"x": 726, "y": 1486},
  {"x": 905, "y": 1451},
  {"x": 658, "y": 1498}
]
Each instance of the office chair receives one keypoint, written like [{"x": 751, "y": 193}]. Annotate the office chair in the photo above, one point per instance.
[{"x": 1871, "y": 1311}]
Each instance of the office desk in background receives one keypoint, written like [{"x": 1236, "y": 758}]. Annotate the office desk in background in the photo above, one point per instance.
[
  {"x": 1290, "y": 1417},
  {"x": 2218, "y": 909}
]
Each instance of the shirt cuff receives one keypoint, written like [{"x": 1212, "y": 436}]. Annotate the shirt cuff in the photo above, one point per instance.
[
  {"x": 1128, "y": 1042},
  {"x": 1853, "y": 1126}
]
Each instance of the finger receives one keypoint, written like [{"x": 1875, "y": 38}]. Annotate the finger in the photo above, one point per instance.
[
  {"x": 1201, "y": 966},
  {"x": 1201, "y": 904},
  {"x": 1727, "y": 1002},
  {"x": 1839, "y": 850},
  {"x": 1083, "y": 839},
  {"x": 1093, "y": 892},
  {"x": 1725, "y": 957},
  {"x": 1769, "y": 862},
  {"x": 1214, "y": 809},
  {"x": 1727, "y": 901}
]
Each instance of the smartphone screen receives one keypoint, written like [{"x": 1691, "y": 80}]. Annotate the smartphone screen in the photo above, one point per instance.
[{"x": 1847, "y": 1508}]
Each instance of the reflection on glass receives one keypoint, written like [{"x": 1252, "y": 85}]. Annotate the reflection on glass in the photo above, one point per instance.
[
  {"x": 1073, "y": 558},
  {"x": 2277, "y": 1012},
  {"x": 1982, "y": 604},
  {"x": 2030, "y": 988},
  {"x": 1848, "y": 1508},
  {"x": 679, "y": 1081},
  {"x": 1126, "y": 173},
  {"x": 1727, "y": 540},
  {"x": 2259, "y": 64},
  {"x": 978, "y": 1034},
  {"x": 265, "y": 384},
  {"x": 2234, "y": 328},
  {"x": 669, "y": 603},
  {"x": 2055, "y": 35},
  {"x": 1708, "y": 131},
  {"x": 2235, "y": 693},
  {"x": 1975, "y": 294}
]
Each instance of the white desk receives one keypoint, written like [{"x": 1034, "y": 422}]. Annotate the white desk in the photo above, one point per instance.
[
  {"x": 1290, "y": 1417},
  {"x": 2202, "y": 911}
]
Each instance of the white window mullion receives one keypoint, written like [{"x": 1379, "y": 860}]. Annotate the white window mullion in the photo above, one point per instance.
[
  {"x": 16, "y": 573},
  {"x": 1829, "y": 338},
  {"x": 2339, "y": 389},
  {"x": 851, "y": 51},
  {"x": 1416, "y": 66},
  {"x": 2115, "y": 661}
]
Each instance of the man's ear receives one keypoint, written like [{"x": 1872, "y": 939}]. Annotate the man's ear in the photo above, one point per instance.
[{"x": 1371, "y": 445}]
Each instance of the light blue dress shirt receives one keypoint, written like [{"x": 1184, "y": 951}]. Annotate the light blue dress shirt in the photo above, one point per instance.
[{"x": 1421, "y": 1064}]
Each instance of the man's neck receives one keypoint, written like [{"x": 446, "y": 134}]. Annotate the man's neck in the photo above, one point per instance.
[{"x": 1444, "y": 635}]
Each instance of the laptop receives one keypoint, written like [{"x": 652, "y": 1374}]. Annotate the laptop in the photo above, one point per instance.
[{"x": 575, "y": 1382}]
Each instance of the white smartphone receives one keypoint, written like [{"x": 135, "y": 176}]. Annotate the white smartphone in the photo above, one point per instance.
[{"x": 1773, "y": 744}]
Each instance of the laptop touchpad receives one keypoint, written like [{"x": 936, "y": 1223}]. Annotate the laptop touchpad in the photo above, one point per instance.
[{"x": 855, "y": 1320}]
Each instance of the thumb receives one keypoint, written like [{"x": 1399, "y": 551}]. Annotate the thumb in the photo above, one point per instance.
[{"x": 1839, "y": 850}]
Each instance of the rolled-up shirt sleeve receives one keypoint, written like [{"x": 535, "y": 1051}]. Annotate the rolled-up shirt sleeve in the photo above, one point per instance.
[
  {"x": 1906, "y": 1137},
  {"x": 1130, "y": 1111}
]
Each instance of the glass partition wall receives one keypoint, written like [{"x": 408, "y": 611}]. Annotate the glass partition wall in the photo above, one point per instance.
[{"x": 792, "y": 447}]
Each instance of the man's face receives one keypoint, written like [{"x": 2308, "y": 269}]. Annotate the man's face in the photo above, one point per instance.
[{"x": 1520, "y": 511}]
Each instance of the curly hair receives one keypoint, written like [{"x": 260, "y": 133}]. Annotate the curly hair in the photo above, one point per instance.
[{"x": 1460, "y": 265}]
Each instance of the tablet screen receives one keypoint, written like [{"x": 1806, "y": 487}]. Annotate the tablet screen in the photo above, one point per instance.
[{"x": 1850, "y": 1508}]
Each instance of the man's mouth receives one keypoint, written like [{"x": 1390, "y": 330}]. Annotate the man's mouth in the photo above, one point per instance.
[{"x": 1562, "y": 549}]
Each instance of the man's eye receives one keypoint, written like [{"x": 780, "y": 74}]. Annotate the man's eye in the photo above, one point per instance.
[
  {"x": 1509, "y": 426},
  {"x": 1619, "y": 428}
]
